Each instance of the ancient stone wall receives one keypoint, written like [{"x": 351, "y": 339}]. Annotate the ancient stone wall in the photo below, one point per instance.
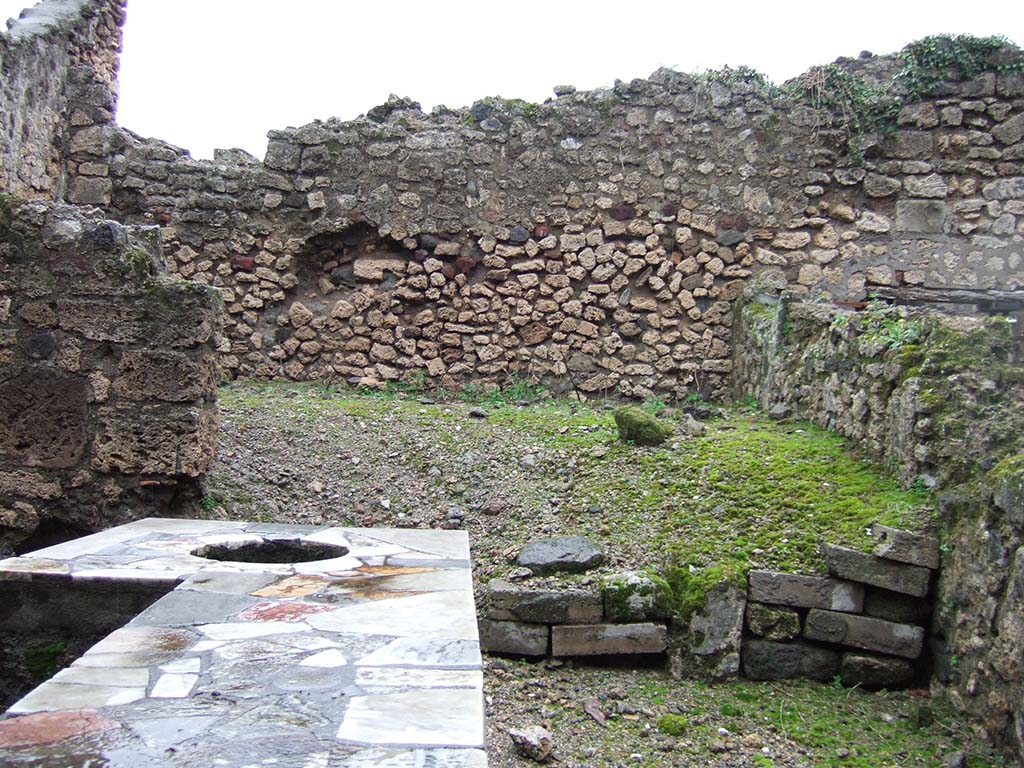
[
  {"x": 59, "y": 74},
  {"x": 597, "y": 240},
  {"x": 940, "y": 398},
  {"x": 108, "y": 375}
]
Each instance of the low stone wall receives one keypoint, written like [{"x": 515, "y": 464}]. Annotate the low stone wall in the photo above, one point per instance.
[
  {"x": 865, "y": 624},
  {"x": 940, "y": 399},
  {"x": 541, "y": 621},
  {"x": 109, "y": 375}
]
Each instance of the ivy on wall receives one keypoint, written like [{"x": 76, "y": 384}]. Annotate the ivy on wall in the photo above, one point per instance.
[{"x": 866, "y": 111}]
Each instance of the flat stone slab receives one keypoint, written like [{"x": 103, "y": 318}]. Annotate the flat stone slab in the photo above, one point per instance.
[
  {"x": 799, "y": 591},
  {"x": 608, "y": 639},
  {"x": 368, "y": 659},
  {"x": 769, "y": 660},
  {"x": 565, "y": 554},
  {"x": 905, "y": 546},
  {"x": 876, "y": 571},
  {"x": 864, "y": 632},
  {"x": 514, "y": 637},
  {"x": 511, "y": 602}
]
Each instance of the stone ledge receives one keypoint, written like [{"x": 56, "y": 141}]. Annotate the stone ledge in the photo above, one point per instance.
[
  {"x": 906, "y": 546},
  {"x": 863, "y": 632},
  {"x": 876, "y": 571},
  {"x": 799, "y": 591},
  {"x": 769, "y": 660},
  {"x": 510, "y": 602},
  {"x": 608, "y": 639}
]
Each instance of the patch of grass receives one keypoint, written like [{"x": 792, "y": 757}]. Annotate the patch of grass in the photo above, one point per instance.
[
  {"x": 749, "y": 493},
  {"x": 751, "y": 490},
  {"x": 850, "y": 727},
  {"x": 42, "y": 661},
  {"x": 673, "y": 725}
]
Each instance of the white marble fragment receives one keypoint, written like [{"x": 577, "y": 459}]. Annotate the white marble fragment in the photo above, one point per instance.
[
  {"x": 380, "y": 679},
  {"x": 450, "y": 717},
  {"x": 426, "y": 652},
  {"x": 327, "y": 659},
  {"x": 439, "y": 614},
  {"x": 181, "y": 666},
  {"x": 246, "y": 630},
  {"x": 416, "y": 758},
  {"x": 49, "y": 697},
  {"x": 173, "y": 686},
  {"x": 127, "y": 677},
  {"x": 207, "y": 645}
]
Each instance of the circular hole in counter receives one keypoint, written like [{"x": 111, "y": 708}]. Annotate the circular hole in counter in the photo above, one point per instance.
[{"x": 270, "y": 551}]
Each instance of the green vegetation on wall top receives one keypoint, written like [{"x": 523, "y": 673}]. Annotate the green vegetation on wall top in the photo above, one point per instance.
[{"x": 866, "y": 111}]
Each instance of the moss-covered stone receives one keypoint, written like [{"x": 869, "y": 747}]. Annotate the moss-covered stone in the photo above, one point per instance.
[
  {"x": 1008, "y": 487},
  {"x": 673, "y": 725},
  {"x": 772, "y": 622},
  {"x": 632, "y": 597},
  {"x": 639, "y": 427}
]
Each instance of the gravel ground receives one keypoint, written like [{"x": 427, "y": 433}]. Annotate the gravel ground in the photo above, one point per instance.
[{"x": 294, "y": 454}]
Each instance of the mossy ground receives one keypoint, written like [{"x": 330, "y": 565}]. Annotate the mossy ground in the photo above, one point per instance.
[{"x": 750, "y": 492}]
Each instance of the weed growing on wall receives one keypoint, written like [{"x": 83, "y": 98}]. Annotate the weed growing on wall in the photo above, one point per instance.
[
  {"x": 927, "y": 62},
  {"x": 866, "y": 111}
]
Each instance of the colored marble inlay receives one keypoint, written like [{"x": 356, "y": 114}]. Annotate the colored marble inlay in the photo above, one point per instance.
[{"x": 367, "y": 659}]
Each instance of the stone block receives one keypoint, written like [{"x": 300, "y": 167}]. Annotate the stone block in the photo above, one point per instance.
[
  {"x": 864, "y": 632},
  {"x": 799, "y": 591},
  {"x": 930, "y": 186},
  {"x": 608, "y": 639},
  {"x": 905, "y": 546},
  {"x": 1004, "y": 189},
  {"x": 876, "y": 571},
  {"x": 908, "y": 145},
  {"x": 921, "y": 216},
  {"x": 91, "y": 190},
  {"x": 29, "y": 484},
  {"x": 372, "y": 269},
  {"x": 564, "y": 554},
  {"x": 43, "y": 418},
  {"x": 180, "y": 315},
  {"x": 510, "y": 602},
  {"x": 155, "y": 441},
  {"x": 168, "y": 376},
  {"x": 709, "y": 643},
  {"x": 631, "y": 597},
  {"x": 768, "y": 660},
  {"x": 101, "y": 320},
  {"x": 892, "y": 606},
  {"x": 514, "y": 637},
  {"x": 772, "y": 622},
  {"x": 874, "y": 672}
]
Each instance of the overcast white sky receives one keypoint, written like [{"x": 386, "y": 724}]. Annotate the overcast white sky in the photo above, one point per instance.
[{"x": 221, "y": 73}]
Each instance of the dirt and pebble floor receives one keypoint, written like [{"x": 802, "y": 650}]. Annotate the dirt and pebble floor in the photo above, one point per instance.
[{"x": 309, "y": 455}]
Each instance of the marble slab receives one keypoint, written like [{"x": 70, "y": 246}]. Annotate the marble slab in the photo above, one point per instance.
[{"x": 370, "y": 659}]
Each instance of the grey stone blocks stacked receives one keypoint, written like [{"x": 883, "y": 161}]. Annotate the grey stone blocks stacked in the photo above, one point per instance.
[
  {"x": 528, "y": 621},
  {"x": 864, "y": 622}
]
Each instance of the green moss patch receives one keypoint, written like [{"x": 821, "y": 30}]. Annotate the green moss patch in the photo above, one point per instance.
[
  {"x": 639, "y": 427},
  {"x": 749, "y": 493}
]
